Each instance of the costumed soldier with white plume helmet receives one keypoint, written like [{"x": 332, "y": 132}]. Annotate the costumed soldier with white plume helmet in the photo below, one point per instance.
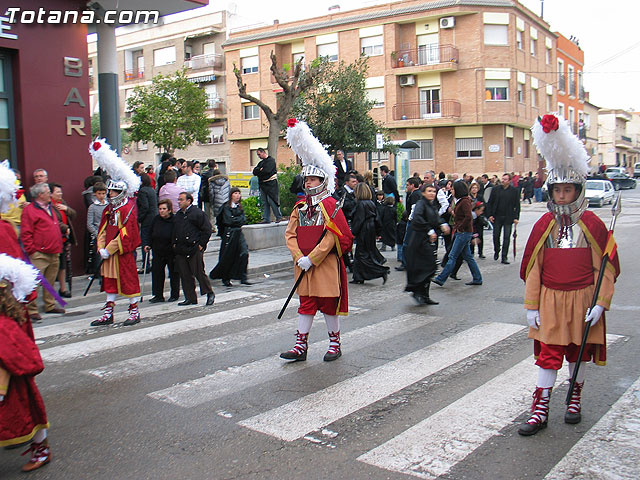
[
  {"x": 560, "y": 269},
  {"x": 23, "y": 417},
  {"x": 317, "y": 235},
  {"x": 118, "y": 234}
]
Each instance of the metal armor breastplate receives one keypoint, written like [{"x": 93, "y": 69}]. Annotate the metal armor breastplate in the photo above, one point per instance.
[
  {"x": 315, "y": 219},
  {"x": 566, "y": 237}
]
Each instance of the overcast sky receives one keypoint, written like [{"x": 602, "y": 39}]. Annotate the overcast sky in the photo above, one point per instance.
[{"x": 607, "y": 31}]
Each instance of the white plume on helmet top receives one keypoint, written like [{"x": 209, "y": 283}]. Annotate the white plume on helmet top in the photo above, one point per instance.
[
  {"x": 8, "y": 186},
  {"x": 117, "y": 168},
  {"x": 22, "y": 276},
  {"x": 310, "y": 150},
  {"x": 560, "y": 148}
]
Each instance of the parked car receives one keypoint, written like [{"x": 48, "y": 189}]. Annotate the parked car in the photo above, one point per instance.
[
  {"x": 615, "y": 170},
  {"x": 621, "y": 181},
  {"x": 598, "y": 192},
  {"x": 636, "y": 170}
]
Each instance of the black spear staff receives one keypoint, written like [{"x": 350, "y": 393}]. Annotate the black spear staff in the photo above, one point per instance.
[
  {"x": 300, "y": 277},
  {"x": 615, "y": 211}
]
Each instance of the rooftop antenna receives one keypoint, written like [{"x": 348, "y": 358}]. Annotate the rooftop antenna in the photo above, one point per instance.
[{"x": 542, "y": 9}]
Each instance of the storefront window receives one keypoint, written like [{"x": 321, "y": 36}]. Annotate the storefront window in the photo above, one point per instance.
[{"x": 7, "y": 142}]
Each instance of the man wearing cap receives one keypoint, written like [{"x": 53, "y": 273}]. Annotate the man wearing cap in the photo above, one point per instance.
[
  {"x": 560, "y": 266},
  {"x": 317, "y": 235}
]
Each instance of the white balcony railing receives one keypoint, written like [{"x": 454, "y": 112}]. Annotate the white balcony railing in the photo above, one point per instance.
[{"x": 212, "y": 60}]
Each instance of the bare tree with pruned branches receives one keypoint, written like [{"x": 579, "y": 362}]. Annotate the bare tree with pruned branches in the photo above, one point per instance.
[{"x": 292, "y": 84}]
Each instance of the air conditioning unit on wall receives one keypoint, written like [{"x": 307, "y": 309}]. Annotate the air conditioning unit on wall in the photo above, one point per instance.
[
  {"x": 447, "y": 22},
  {"x": 407, "y": 80}
]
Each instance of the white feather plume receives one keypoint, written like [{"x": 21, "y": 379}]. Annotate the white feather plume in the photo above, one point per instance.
[
  {"x": 117, "y": 168},
  {"x": 310, "y": 150},
  {"x": 23, "y": 277},
  {"x": 561, "y": 148},
  {"x": 8, "y": 186}
]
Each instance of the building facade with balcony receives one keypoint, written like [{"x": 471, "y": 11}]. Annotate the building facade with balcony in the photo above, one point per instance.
[
  {"x": 186, "y": 41},
  {"x": 571, "y": 93},
  {"x": 464, "y": 79},
  {"x": 590, "y": 132},
  {"x": 615, "y": 146}
]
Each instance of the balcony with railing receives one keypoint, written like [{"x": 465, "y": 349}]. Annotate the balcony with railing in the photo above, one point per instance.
[
  {"x": 133, "y": 74},
  {"x": 622, "y": 141},
  {"x": 437, "y": 57},
  {"x": 215, "y": 103},
  {"x": 581, "y": 94},
  {"x": 211, "y": 60},
  {"x": 562, "y": 83},
  {"x": 426, "y": 110}
]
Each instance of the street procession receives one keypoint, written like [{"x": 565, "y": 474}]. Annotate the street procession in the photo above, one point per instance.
[{"x": 190, "y": 195}]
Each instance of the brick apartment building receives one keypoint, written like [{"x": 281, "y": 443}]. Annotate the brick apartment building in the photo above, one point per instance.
[
  {"x": 615, "y": 146},
  {"x": 571, "y": 94},
  {"x": 189, "y": 40},
  {"x": 465, "y": 79}
]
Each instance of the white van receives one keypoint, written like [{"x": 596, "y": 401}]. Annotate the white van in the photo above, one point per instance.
[{"x": 615, "y": 170}]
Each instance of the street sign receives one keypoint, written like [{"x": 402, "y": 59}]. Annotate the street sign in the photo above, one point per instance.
[{"x": 379, "y": 141}]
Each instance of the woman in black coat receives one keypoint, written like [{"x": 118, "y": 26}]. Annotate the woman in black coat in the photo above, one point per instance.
[
  {"x": 368, "y": 261},
  {"x": 160, "y": 242},
  {"x": 233, "y": 258},
  {"x": 147, "y": 201},
  {"x": 422, "y": 246}
]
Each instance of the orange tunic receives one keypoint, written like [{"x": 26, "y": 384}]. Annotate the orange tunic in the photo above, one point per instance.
[{"x": 562, "y": 312}]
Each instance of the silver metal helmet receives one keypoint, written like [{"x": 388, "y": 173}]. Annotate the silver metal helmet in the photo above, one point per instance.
[
  {"x": 320, "y": 192},
  {"x": 121, "y": 198},
  {"x": 566, "y": 215}
]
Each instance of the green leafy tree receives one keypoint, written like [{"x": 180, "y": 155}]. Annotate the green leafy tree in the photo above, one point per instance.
[
  {"x": 292, "y": 84},
  {"x": 170, "y": 113},
  {"x": 95, "y": 130},
  {"x": 336, "y": 108},
  {"x": 285, "y": 179},
  {"x": 252, "y": 211}
]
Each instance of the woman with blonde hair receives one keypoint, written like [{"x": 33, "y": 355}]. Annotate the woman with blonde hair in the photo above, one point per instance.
[{"x": 368, "y": 261}]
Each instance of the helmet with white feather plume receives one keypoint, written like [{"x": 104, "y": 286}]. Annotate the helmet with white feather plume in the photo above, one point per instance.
[
  {"x": 8, "y": 186},
  {"x": 316, "y": 161},
  {"x": 22, "y": 277},
  {"x": 566, "y": 159},
  {"x": 123, "y": 179}
]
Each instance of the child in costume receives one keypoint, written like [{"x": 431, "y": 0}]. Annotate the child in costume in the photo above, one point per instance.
[
  {"x": 118, "y": 235},
  {"x": 560, "y": 267},
  {"x": 317, "y": 235}
]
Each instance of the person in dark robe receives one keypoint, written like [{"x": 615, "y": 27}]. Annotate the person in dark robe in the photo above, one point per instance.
[
  {"x": 388, "y": 218},
  {"x": 368, "y": 261},
  {"x": 422, "y": 245},
  {"x": 234, "y": 252}
]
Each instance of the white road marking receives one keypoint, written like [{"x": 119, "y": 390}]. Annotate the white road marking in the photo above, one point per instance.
[
  {"x": 611, "y": 448},
  {"x": 75, "y": 327},
  {"x": 295, "y": 419},
  {"x": 85, "y": 348},
  {"x": 237, "y": 378},
  {"x": 432, "y": 447}
]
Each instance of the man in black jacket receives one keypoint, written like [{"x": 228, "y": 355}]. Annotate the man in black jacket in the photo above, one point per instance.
[
  {"x": 343, "y": 166},
  {"x": 191, "y": 235},
  {"x": 267, "y": 174},
  {"x": 389, "y": 185},
  {"x": 349, "y": 208},
  {"x": 503, "y": 210}
]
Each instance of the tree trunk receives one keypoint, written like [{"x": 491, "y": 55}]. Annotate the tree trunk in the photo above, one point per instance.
[{"x": 274, "y": 136}]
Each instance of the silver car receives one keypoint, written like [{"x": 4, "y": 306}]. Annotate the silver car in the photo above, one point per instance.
[{"x": 599, "y": 192}]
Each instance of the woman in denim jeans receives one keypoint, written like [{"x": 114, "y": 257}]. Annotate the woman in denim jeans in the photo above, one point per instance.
[{"x": 463, "y": 226}]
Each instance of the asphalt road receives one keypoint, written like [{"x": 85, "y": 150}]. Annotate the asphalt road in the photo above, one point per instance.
[{"x": 200, "y": 392}]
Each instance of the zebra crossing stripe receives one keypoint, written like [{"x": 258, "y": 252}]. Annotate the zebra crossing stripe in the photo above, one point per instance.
[
  {"x": 164, "y": 359},
  {"x": 84, "y": 348},
  {"x": 75, "y": 327},
  {"x": 295, "y": 419},
  {"x": 432, "y": 447},
  {"x": 611, "y": 448},
  {"x": 234, "y": 379}
]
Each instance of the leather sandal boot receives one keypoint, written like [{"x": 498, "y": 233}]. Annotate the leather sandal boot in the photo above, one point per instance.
[
  {"x": 540, "y": 413},
  {"x": 299, "y": 350}
]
